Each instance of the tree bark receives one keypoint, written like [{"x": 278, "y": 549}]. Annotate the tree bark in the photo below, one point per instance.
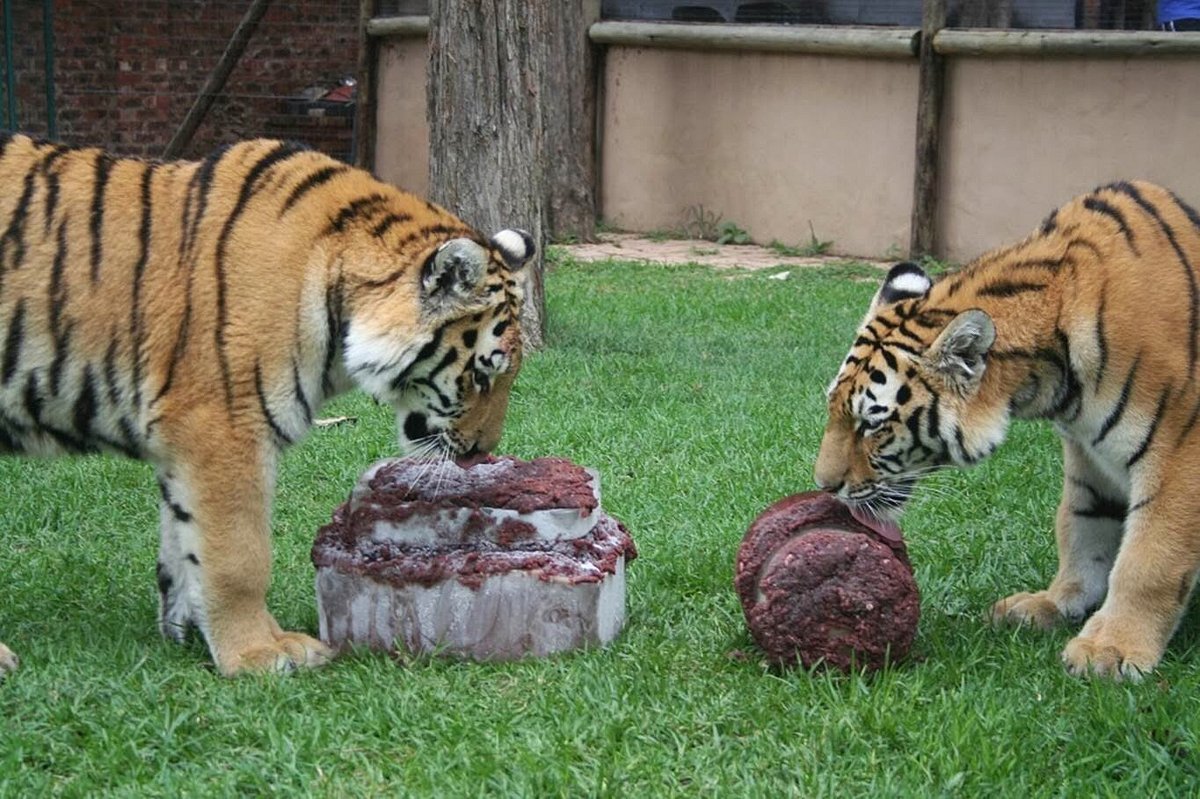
[
  {"x": 511, "y": 124},
  {"x": 569, "y": 117}
]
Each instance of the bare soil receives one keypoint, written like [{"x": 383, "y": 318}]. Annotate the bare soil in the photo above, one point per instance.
[{"x": 632, "y": 247}]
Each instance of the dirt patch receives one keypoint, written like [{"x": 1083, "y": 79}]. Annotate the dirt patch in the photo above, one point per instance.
[{"x": 632, "y": 247}]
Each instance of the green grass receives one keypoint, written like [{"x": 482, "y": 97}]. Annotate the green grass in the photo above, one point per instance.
[{"x": 699, "y": 399}]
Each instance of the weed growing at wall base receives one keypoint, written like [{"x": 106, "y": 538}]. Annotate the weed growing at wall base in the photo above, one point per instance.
[{"x": 813, "y": 247}]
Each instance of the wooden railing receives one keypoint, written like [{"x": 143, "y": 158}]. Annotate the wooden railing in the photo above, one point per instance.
[{"x": 930, "y": 45}]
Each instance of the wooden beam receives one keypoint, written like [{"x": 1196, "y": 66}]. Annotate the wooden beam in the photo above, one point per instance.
[
  {"x": 1095, "y": 44},
  {"x": 923, "y": 227},
  {"x": 216, "y": 81},
  {"x": 412, "y": 27},
  {"x": 10, "y": 72},
  {"x": 366, "y": 102},
  {"x": 815, "y": 39}
]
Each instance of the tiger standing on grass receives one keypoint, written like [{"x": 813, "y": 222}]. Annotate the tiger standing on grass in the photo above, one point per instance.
[
  {"x": 196, "y": 314},
  {"x": 1091, "y": 323}
]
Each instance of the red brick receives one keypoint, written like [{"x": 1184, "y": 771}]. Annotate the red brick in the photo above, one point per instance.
[{"x": 169, "y": 49}]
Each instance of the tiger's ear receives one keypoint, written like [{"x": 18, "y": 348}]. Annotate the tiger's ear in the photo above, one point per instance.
[
  {"x": 515, "y": 246},
  {"x": 959, "y": 353},
  {"x": 454, "y": 271},
  {"x": 904, "y": 281}
]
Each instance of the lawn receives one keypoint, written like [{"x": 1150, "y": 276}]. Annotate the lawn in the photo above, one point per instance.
[{"x": 699, "y": 397}]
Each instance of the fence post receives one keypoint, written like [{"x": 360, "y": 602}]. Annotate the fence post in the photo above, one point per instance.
[
  {"x": 366, "y": 102},
  {"x": 48, "y": 47},
  {"x": 932, "y": 71},
  {"x": 10, "y": 71},
  {"x": 216, "y": 81}
]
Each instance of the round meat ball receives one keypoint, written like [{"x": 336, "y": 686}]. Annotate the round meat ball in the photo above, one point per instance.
[{"x": 819, "y": 587}]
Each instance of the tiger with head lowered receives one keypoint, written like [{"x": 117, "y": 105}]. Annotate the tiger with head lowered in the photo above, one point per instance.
[
  {"x": 196, "y": 314},
  {"x": 1092, "y": 323}
]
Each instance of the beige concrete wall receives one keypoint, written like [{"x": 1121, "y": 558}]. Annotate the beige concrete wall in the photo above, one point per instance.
[
  {"x": 1024, "y": 135},
  {"x": 774, "y": 140},
  {"x": 771, "y": 141},
  {"x": 402, "y": 140}
]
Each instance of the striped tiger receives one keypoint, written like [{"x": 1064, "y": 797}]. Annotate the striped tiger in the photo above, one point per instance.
[
  {"x": 1091, "y": 323},
  {"x": 196, "y": 315}
]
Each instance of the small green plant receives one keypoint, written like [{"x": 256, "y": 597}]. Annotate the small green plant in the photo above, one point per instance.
[
  {"x": 730, "y": 233},
  {"x": 785, "y": 250},
  {"x": 701, "y": 223},
  {"x": 936, "y": 266},
  {"x": 704, "y": 250},
  {"x": 814, "y": 246}
]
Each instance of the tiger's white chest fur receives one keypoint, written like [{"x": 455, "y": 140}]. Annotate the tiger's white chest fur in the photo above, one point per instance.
[{"x": 1108, "y": 457}]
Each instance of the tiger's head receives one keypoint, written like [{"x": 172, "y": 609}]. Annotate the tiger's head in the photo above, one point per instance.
[
  {"x": 441, "y": 342},
  {"x": 907, "y": 399}
]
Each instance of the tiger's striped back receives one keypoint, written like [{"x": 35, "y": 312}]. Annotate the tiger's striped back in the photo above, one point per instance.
[{"x": 133, "y": 290}]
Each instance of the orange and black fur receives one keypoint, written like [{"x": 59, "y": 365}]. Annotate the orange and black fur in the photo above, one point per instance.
[
  {"x": 197, "y": 314},
  {"x": 1092, "y": 323}
]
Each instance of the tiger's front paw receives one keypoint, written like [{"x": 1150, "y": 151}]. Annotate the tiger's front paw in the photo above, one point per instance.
[
  {"x": 1033, "y": 609},
  {"x": 1111, "y": 647},
  {"x": 285, "y": 652},
  {"x": 8, "y": 661}
]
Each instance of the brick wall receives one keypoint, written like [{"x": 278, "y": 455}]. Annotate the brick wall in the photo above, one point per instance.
[{"x": 127, "y": 71}]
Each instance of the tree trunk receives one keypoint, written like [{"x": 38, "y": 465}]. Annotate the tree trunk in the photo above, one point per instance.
[
  {"x": 569, "y": 119},
  {"x": 511, "y": 128}
]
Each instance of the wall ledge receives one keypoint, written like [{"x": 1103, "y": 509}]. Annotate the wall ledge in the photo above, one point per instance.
[
  {"x": 405, "y": 27},
  {"x": 812, "y": 39},
  {"x": 1095, "y": 44}
]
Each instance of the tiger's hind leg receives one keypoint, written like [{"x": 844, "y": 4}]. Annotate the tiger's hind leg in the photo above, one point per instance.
[
  {"x": 228, "y": 482},
  {"x": 1088, "y": 528},
  {"x": 181, "y": 606},
  {"x": 8, "y": 661}
]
